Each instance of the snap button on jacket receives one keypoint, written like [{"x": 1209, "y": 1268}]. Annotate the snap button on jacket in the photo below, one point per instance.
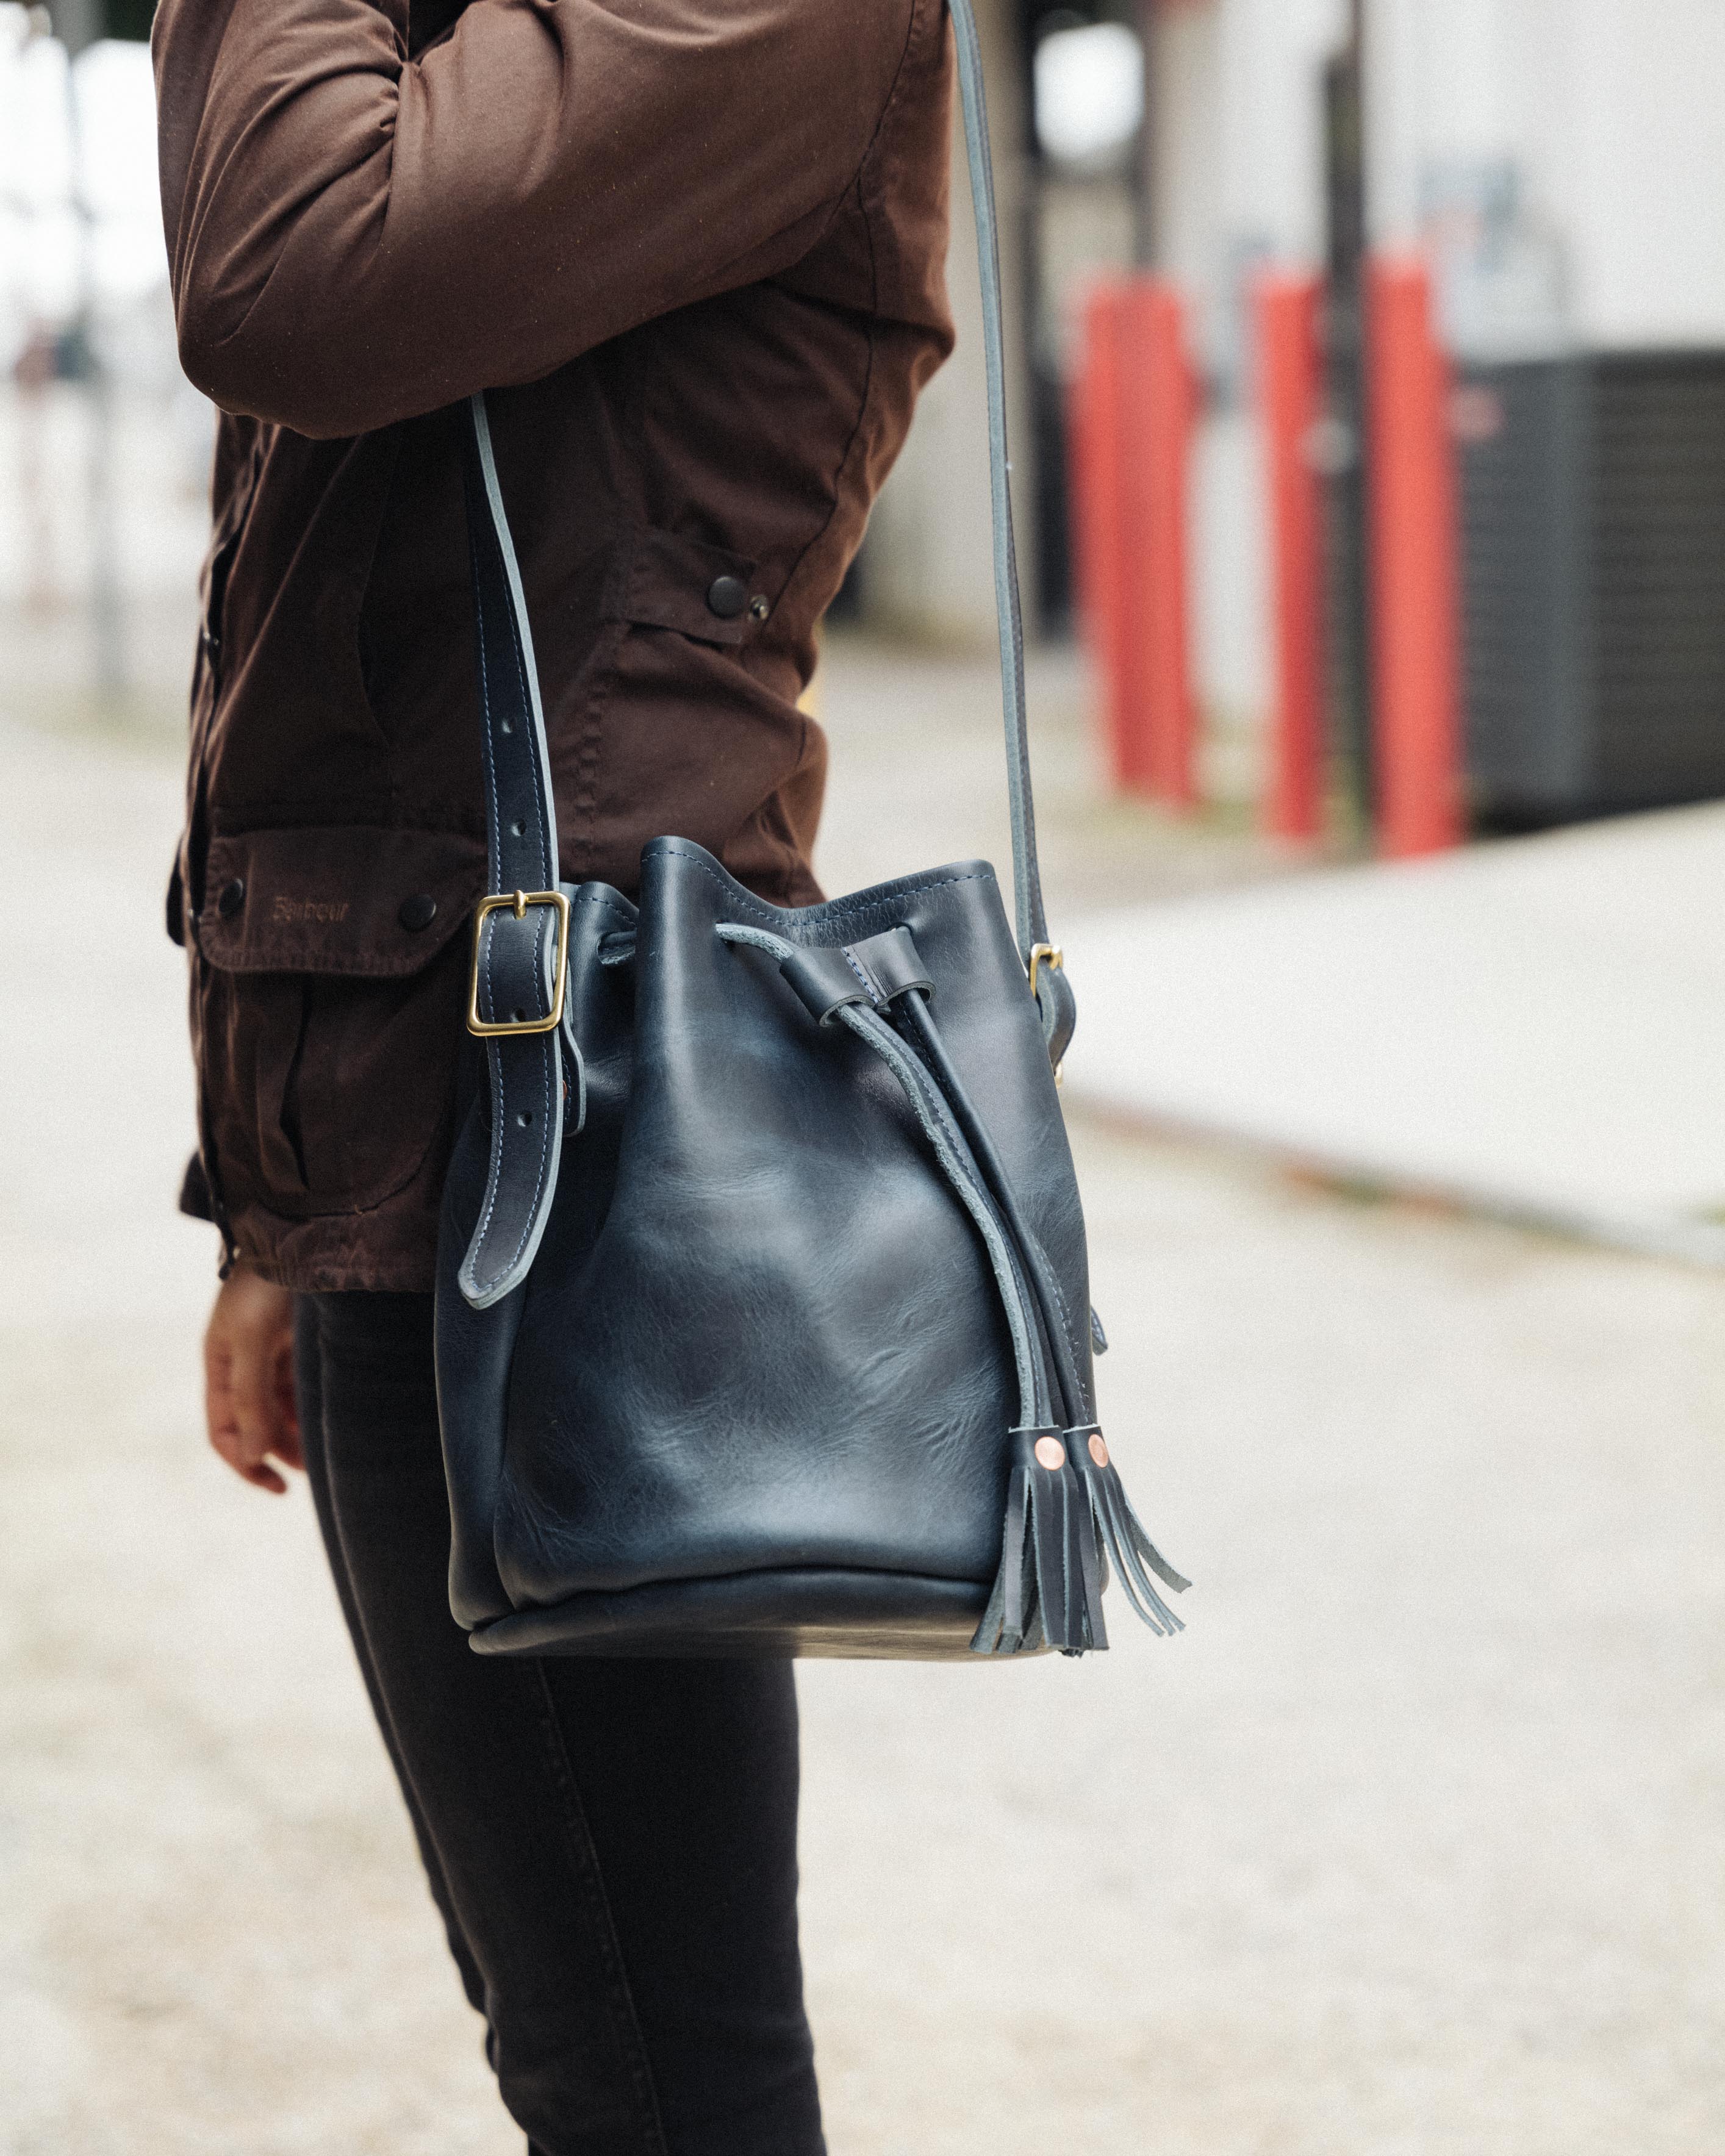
[{"x": 695, "y": 249}]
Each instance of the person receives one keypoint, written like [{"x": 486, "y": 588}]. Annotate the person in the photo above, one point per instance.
[{"x": 694, "y": 250}]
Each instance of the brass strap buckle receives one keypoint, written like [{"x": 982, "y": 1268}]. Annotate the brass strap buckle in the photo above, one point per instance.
[{"x": 518, "y": 901}]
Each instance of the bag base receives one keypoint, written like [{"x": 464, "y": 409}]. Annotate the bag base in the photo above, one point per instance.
[{"x": 821, "y": 1614}]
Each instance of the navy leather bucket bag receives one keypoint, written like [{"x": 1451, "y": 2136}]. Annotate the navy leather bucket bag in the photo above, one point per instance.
[{"x": 764, "y": 1323}]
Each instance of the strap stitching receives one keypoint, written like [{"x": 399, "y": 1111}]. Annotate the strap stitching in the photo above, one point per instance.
[
  {"x": 500, "y": 1082},
  {"x": 539, "y": 1173},
  {"x": 870, "y": 989},
  {"x": 579, "y": 900},
  {"x": 533, "y": 732},
  {"x": 494, "y": 1177},
  {"x": 535, "y": 792},
  {"x": 495, "y": 1180},
  {"x": 490, "y": 757}
]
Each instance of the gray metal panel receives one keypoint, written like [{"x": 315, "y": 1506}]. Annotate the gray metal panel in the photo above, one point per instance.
[
  {"x": 1594, "y": 583},
  {"x": 1530, "y": 670},
  {"x": 1659, "y": 577}
]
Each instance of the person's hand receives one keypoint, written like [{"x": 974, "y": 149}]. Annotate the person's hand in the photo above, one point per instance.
[{"x": 249, "y": 1379}]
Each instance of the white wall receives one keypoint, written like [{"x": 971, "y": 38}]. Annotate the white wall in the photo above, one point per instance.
[
  {"x": 1238, "y": 182},
  {"x": 1642, "y": 170},
  {"x": 1614, "y": 113},
  {"x": 1611, "y": 114},
  {"x": 1271, "y": 147},
  {"x": 1609, "y": 117},
  {"x": 1239, "y": 152},
  {"x": 1563, "y": 161}
]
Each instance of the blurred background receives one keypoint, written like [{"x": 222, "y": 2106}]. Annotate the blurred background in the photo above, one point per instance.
[{"x": 1368, "y": 386}]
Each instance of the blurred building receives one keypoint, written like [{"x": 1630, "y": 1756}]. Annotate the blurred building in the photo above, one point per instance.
[
  {"x": 104, "y": 446},
  {"x": 1559, "y": 164}
]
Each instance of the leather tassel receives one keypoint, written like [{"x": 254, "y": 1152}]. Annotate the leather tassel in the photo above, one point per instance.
[
  {"x": 1120, "y": 1532},
  {"x": 1049, "y": 1589}
]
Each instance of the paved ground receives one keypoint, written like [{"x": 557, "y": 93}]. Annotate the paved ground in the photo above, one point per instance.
[
  {"x": 1536, "y": 1027},
  {"x": 1409, "y": 1847}
]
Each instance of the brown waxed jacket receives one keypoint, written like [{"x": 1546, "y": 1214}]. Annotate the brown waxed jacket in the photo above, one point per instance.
[{"x": 697, "y": 248}]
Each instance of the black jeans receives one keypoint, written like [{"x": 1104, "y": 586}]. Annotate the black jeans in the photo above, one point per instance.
[{"x": 612, "y": 1844}]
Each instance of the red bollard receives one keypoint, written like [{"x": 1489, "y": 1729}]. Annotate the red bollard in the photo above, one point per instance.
[
  {"x": 1291, "y": 403},
  {"x": 1415, "y": 608},
  {"x": 1095, "y": 429},
  {"x": 1131, "y": 431},
  {"x": 1161, "y": 407}
]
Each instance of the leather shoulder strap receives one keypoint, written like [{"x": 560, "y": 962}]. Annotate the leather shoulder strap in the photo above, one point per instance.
[
  {"x": 1031, "y": 924},
  {"x": 520, "y": 945},
  {"x": 516, "y": 763}
]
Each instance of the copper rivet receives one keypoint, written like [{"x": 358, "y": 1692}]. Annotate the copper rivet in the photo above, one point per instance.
[
  {"x": 1051, "y": 1452},
  {"x": 1098, "y": 1450}
]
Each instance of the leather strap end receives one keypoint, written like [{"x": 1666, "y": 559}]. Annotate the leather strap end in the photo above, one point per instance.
[
  {"x": 1058, "y": 1008},
  {"x": 529, "y": 1102}
]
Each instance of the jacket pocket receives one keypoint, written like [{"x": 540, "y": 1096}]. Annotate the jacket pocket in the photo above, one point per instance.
[
  {"x": 661, "y": 580},
  {"x": 332, "y": 981}
]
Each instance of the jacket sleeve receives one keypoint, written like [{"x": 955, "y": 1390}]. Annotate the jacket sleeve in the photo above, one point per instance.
[
  {"x": 196, "y": 1202},
  {"x": 355, "y": 236}
]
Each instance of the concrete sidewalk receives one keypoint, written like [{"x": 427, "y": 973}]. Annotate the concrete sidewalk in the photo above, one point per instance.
[
  {"x": 1535, "y": 1029},
  {"x": 1408, "y": 1846}
]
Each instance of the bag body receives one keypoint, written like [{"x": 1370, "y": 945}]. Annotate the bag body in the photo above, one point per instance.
[{"x": 762, "y": 1317}]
